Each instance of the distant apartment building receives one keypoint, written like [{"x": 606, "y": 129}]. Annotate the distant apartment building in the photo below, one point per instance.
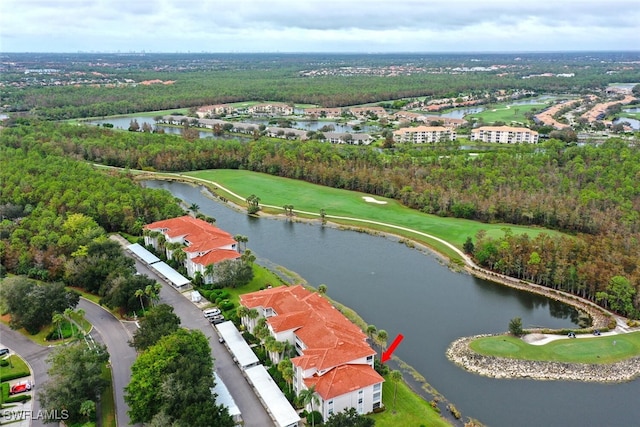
[
  {"x": 504, "y": 135},
  {"x": 424, "y": 134},
  {"x": 272, "y": 109},
  {"x": 203, "y": 243},
  {"x": 333, "y": 354},
  {"x": 328, "y": 113},
  {"x": 365, "y": 112},
  {"x": 215, "y": 110}
]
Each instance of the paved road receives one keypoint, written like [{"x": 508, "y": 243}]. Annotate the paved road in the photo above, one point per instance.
[
  {"x": 116, "y": 337},
  {"x": 35, "y": 355},
  {"x": 253, "y": 413}
]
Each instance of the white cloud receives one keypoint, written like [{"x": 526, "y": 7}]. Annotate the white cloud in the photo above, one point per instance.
[{"x": 316, "y": 25}]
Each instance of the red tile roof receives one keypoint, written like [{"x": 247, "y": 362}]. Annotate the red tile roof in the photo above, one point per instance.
[
  {"x": 201, "y": 235},
  {"x": 215, "y": 256},
  {"x": 342, "y": 380},
  {"x": 331, "y": 339}
]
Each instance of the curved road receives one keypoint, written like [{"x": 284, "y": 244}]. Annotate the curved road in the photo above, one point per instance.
[
  {"x": 36, "y": 357},
  {"x": 121, "y": 355}
]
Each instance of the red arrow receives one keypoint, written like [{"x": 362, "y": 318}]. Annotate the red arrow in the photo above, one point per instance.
[{"x": 396, "y": 342}]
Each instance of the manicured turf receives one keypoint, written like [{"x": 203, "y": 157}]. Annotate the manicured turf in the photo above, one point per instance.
[
  {"x": 17, "y": 368},
  {"x": 410, "y": 409},
  {"x": 107, "y": 404},
  {"x": 506, "y": 113},
  {"x": 303, "y": 196},
  {"x": 262, "y": 277},
  {"x": 580, "y": 350}
]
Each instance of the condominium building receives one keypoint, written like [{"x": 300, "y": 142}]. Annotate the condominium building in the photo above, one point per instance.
[
  {"x": 424, "y": 134},
  {"x": 504, "y": 135}
]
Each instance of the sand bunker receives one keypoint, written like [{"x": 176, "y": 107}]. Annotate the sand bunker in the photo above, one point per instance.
[{"x": 372, "y": 200}]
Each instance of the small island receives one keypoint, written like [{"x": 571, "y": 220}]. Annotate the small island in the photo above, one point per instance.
[{"x": 608, "y": 358}]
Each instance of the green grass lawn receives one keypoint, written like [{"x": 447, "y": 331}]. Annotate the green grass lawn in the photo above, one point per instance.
[
  {"x": 506, "y": 113},
  {"x": 107, "y": 404},
  {"x": 410, "y": 409},
  {"x": 580, "y": 350},
  {"x": 308, "y": 197},
  {"x": 262, "y": 277},
  {"x": 17, "y": 368}
]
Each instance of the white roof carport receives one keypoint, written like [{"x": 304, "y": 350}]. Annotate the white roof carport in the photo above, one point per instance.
[
  {"x": 278, "y": 406},
  {"x": 238, "y": 347},
  {"x": 146, "y": 256},
  {"x": 177, "y": 279},
  {"x": 224, "y": 398}
]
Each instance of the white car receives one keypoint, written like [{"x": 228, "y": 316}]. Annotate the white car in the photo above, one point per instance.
[{"x": 210, "y": 312}]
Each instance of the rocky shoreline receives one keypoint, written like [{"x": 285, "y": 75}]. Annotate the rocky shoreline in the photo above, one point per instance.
[{"x": 500, "y": 367}]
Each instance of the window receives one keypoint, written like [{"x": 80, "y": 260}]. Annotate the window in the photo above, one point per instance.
[
  {"x": 376, "y": 387},
  {"x": 330, "y": 407}
]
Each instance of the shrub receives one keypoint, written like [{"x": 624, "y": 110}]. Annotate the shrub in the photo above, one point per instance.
[
  {"x": 4, "y": 362},
  {"x": 454, "y": 411},
  {"x": 515, "y": 326},
  {"x": 314, "y": 416}
]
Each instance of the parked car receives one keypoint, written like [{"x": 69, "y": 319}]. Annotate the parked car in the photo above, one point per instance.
[
  {"x": 216, "y": 319},
  {"x": 20, "y": 387},
  {"x": 210, "y": 312},
  {"x": 4, "y": 351}
]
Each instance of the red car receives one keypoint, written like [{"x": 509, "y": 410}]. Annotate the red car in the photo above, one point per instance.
[{"x": 20, "y": 387}]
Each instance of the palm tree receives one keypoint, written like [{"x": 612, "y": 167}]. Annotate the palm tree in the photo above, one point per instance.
[
  {"x": 80, "y": 313},
  {"x": 57, "y": 320},
  {"x": 323, "y": 215},
  {"x": 139, "y": 294},
  {"x": 87, "y": 408},
  {"x": 371, "y": 331},
  {"x": 194, "y": 208},
  {"x": 381, "y": 338},
  {"x": 242, "y": 312},
  {"x": 322, "y": 289},
  {"x": 395, "y": 377},
  {"x": 253, "y": 315},
  {"x": 153, "y": 292},
  {"x": 286, "y": 369},
  {"x": 309, "y": 397},
  {"x": 67, "y": 315}
]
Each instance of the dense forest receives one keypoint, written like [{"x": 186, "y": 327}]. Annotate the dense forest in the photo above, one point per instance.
[
  {"x": 52, "y": 206},
  {"x": 339, "y": 80},
  {"x": 590, "y": 192}
]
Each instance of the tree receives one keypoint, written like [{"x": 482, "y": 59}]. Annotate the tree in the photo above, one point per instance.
[
  {"x": 309, "y": 397},
  {"x": 88, "y": 408},
  {"x": 515, "y": 326},
  {"x": 193, "y": 207},
  {"x": 349, "y": 418},
  {"x": 75, "y": 377},
  {"x": 253, "y": 204},
  {"x": 159, "y": 321},
  {"x": 123, "y": 293},
  {"x": 32, "y": 305},
  {"x": 172, "y": 380},
  {"x": 139, "y": 293},
  {"x": 57, "y": 320},
  {"x": 323, "y": 217},
  {"x": 322, "y": 289},
  {"x": 381, "y": 339},
  {"x": 468, "y": 246},
  {"x": 396, "y": 376},
  {"x": 371, "y": 331},
  {"x": 620, "y": 295}
]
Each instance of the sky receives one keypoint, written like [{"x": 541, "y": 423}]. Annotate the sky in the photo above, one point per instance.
[{"x": 370, "y": 26}]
